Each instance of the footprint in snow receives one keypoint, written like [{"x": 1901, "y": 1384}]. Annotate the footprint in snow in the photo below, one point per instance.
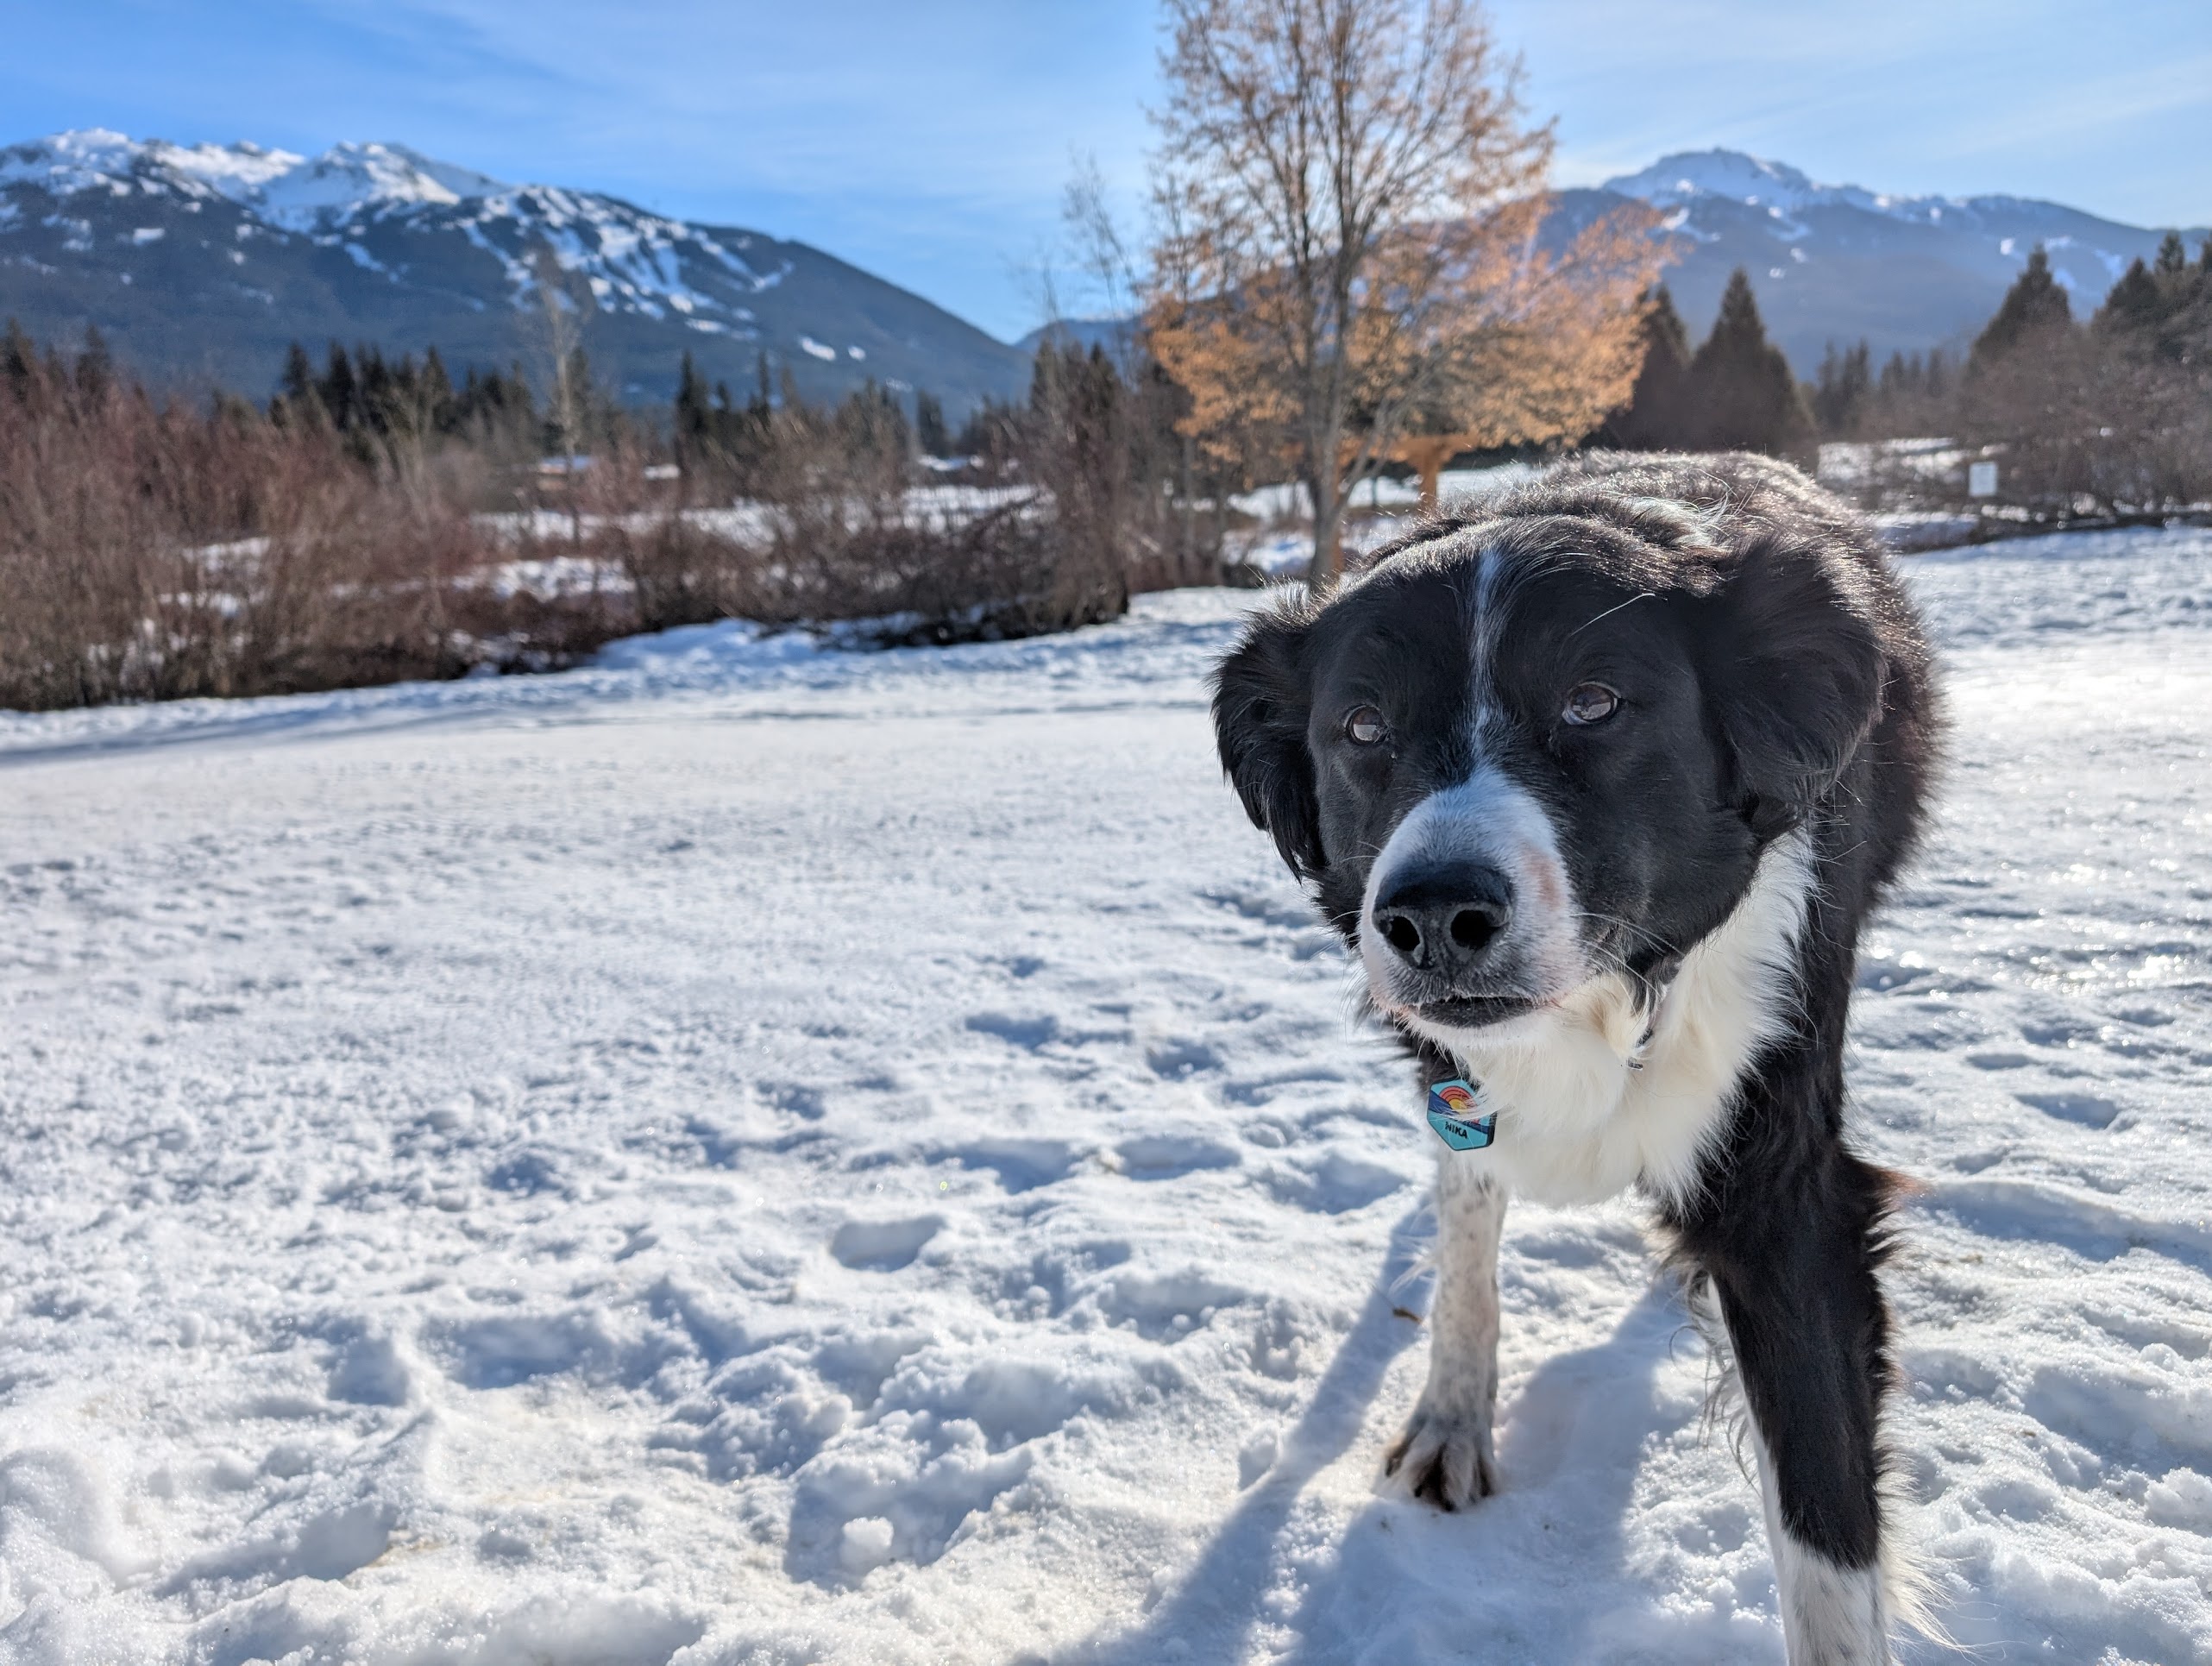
[
  {"x": 1030, "y": 1032},
  {"x": 2086, "y": 1109},
  {"x": 1020, "y": 1165},
  {"x": 1335, "y": 1185},
  {"x": 1177, "y": 1059},
  {"x": 1165, "y": 1156},
  {"x": 884, "y": 1246}
]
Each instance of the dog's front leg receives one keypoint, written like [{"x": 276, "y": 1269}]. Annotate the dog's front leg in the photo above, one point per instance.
[
  {"x": 1793, "y": 1265},
  {"x": 1445, "y": 1455}
]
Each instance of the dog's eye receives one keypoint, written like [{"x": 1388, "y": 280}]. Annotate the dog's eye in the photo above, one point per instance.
[
  {"x": 1366, "y": 726},
  {"x": 1590, "y": 702}
]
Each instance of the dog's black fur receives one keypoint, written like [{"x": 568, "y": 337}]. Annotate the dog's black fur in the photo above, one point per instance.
[{"x": 1772, "y": 680}]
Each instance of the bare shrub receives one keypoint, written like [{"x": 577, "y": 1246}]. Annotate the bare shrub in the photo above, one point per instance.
[
  {"x": 2087, "y": 424},
  {"x": 2099, "y": 423},
  {"x": 153, "y": 552},
  {"x": 835, "y": 528}
]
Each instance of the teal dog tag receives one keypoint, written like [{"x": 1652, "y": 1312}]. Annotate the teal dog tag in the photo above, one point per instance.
[{"x": 1452, "y": 1107}]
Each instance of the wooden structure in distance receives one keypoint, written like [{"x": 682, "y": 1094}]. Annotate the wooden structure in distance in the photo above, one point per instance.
[{"x": 1425, "y": 454}]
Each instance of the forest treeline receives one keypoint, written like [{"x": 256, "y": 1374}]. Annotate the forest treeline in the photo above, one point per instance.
[
  {"x": 1353, "y": 269},
  {"x": 383, "y": 516},
  {"x": 380, "y": 519},
  {"x": 2110, "y": 414}
]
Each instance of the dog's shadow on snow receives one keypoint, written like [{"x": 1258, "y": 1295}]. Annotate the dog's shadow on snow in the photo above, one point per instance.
[{"x": 1217, "y": 1601}]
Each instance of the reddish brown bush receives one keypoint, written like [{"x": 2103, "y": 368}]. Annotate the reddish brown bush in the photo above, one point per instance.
[{"x": 152, "y": 551}]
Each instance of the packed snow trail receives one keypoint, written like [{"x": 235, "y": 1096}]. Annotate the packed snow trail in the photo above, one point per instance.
[{"x": 744, "y": 1154}]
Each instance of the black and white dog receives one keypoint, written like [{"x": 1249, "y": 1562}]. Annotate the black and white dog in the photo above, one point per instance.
[{"x": 1601, "y": 781}]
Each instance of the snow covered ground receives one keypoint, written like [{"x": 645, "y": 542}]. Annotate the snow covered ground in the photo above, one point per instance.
[{"x": 742, "y": 1154}]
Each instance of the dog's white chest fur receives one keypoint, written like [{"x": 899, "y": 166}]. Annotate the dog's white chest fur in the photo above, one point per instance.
[{"x": 1584, "y": 1111}]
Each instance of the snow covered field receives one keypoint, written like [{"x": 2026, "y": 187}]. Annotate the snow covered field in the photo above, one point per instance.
[{"x": 749, "y": 1155}]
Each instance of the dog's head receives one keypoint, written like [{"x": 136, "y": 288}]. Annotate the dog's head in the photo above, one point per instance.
[{"x": 1528, "y": 752}]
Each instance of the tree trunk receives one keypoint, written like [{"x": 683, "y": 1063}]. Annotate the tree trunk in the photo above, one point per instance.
[
  {"x": 1323, "y": 489},
  {"x": 1187, "y": 564}
]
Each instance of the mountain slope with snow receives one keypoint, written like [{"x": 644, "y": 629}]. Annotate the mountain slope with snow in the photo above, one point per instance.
[
  {"x": 202, "y": 263},
  {"x": 1834, "y": 264}
]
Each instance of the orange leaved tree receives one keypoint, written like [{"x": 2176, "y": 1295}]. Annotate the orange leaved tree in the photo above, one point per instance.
[{"x": 1353, "y": 247}]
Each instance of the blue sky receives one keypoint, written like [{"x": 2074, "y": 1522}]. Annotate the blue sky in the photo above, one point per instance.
[{"x": 930, "y": 141}]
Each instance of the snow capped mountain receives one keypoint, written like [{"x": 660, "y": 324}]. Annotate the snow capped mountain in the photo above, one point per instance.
[
  {"x": 283, "y": 187},
  {"x": 344, "y": 180},
  {"x": 202, "y": 263},
  {"x": 1838, "y": 262},
  {"x": 369, "y": 199},
  {"x": 1691, "y": 180},
  {"x": 206, "y": 260},
  {"x": 1689, "y": 175}
]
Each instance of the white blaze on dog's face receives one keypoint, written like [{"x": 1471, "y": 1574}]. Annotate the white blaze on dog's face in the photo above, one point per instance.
[
  {"x": 1500, "y": 758},
  {"x": 1487, "y": 841}
]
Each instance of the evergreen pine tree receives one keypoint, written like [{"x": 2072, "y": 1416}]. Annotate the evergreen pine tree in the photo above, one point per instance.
[
  {"x": 1047, "y": 372},
  {"x": 339, "y": 394},
  {"x": 469, "y": 404},
  {"x": 378, "y": 397},
  {"x": 724, "y": 423},
  {"x": 2132, "y": 300},
  {"x": 233, "y": 411},
  {"x": 1843, "y": 389},
  {"x": 18, "y": 360},
  {"x": 1657, "y": 416},
  {"x": 2185, "y": 334},
  {"x": 2165, "y": 309},
  {"x": 873, "y": 424},
  {"x": 96, "y": 368},
  {"x": 695, "y": 418},
  {"x": 437, "y": 395},
  {"x": 929, "y": 426},
  {"x": 1742, "y": 390},
  {"x": 297, "y": 385},
  {"x": 2134, "y": 303},
  {"x": 1859, "y": 380},
  {"x": 2033, "y": 308},
  {"x": 1910, "y": 397}
]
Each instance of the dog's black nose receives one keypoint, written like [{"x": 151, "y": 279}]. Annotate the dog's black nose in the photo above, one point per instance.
[{"x": 1443, "y": 920}]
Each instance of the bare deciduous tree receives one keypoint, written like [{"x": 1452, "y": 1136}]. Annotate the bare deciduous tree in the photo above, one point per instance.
[
  {"x": 1349, "y": 249},
  {"x": 561, "y": 339}
]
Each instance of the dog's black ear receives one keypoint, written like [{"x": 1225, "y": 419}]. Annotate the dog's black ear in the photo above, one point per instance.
[
  {"x": 1261, "y": 706},
  {"x": 1799, "y": 669}
]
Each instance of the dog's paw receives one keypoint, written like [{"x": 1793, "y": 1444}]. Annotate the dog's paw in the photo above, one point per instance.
[{"x": 1444, "y": 1457}]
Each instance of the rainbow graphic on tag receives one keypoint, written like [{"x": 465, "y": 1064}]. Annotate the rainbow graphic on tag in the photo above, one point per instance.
[{"x": 1456, "y": 1114}]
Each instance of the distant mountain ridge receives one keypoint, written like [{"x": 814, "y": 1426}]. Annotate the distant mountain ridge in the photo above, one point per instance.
[
  {"x": 1837, "y": 263},
  {"x": 201, "y": 263}
]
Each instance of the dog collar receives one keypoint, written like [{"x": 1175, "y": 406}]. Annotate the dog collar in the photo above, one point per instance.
[{"x": 1455, "y": 1112}]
